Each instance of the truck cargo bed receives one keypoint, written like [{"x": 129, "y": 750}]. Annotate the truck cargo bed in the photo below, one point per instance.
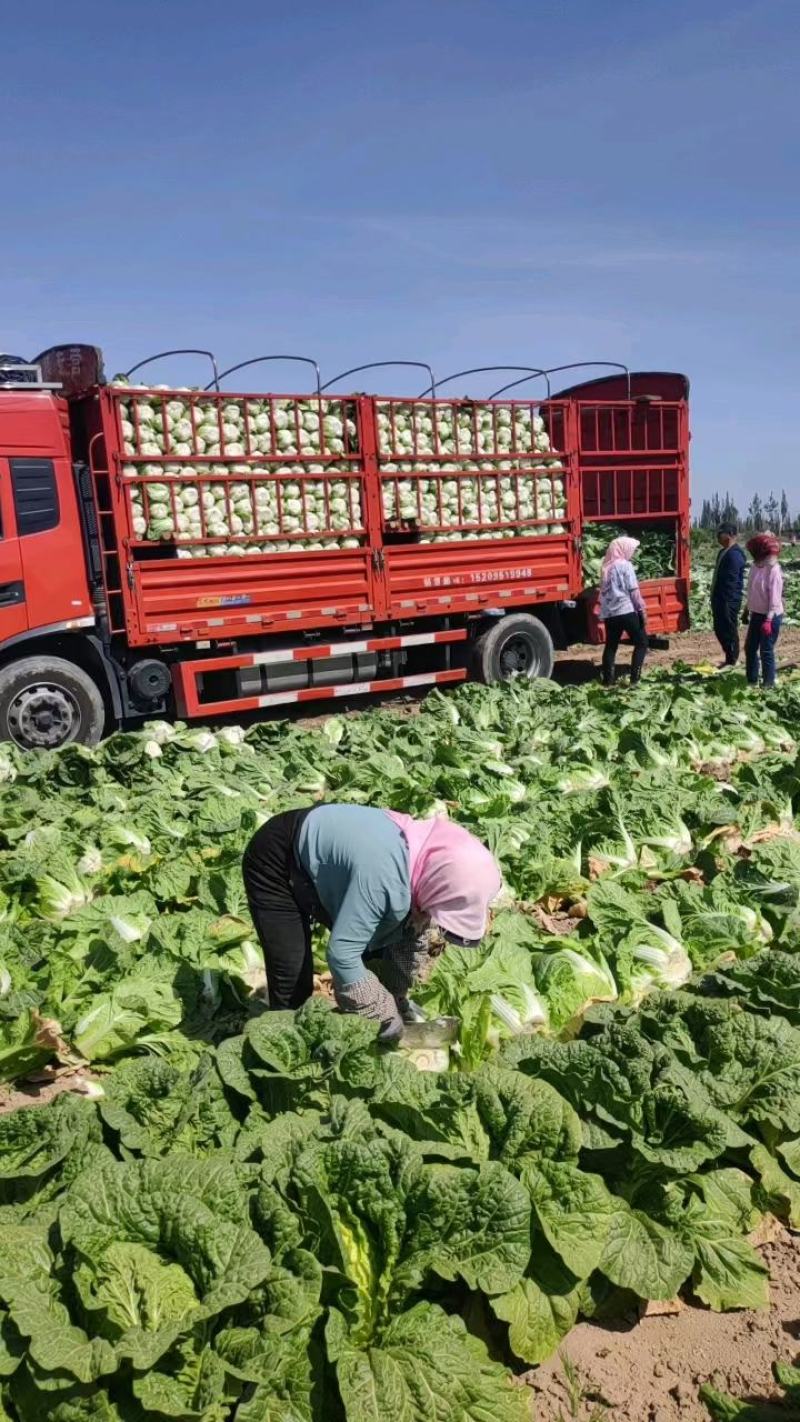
[{"x": 231, "y": 515}]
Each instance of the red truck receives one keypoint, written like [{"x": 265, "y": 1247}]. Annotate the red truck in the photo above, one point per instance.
[{"x": 195, "y": 552}]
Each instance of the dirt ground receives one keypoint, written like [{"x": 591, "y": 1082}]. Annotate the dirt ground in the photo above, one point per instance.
[
  {"x": 37, "y": 1090},
  {"x": 581, "y": 664},
  {"x": 650, "y": 1369}
]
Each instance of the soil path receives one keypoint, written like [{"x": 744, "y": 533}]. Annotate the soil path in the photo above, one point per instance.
[
  {"x": 650, "y": 1369},
  {"x": 582, "y": 664}
]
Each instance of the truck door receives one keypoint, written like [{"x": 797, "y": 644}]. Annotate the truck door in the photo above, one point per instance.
[
  {"x": 50, "y": 543},
  {"x": 13, "y": 606}
]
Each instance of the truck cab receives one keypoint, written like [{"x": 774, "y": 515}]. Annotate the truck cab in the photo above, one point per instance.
[{"x": 46, "y": 605}]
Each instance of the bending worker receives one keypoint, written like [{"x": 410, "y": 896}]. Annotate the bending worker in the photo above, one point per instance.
[{"x": 377, "y": 880}]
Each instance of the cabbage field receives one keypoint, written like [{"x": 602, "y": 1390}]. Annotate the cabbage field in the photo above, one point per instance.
[{"x": 264, "y": 1217}]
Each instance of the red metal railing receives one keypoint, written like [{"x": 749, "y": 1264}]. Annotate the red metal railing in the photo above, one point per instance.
[
  {"x": 111, "y": 548},
  {"x": 633, "y": 462},
  {"x": 645, "y": 492},
  {"x": 262, "y": 427},
  {"x": 364, "y": 508},
  {"x": 630, "y": 427}
]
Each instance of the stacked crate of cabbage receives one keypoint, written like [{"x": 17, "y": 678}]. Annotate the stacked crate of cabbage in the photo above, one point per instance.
[
  {"x": 466, "y": 471},
  {"x": 209, "y": 494},
  {"x": 448, "y": 471}
]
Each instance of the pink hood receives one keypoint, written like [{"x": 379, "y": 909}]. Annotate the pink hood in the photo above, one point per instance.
[
  {"x": 619, "y": 550},
  {"x": 454, "y": 878}
]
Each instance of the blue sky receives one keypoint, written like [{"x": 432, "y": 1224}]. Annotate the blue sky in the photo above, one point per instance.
[{"x": 459, "y": 181}]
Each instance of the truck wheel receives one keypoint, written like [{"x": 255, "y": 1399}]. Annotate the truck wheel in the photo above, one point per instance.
[
  {"x": 46, "y": 702},
  {"x": 515, "y": 646}
]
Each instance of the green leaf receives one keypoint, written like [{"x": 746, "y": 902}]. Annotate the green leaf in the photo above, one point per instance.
[
  {"x": 472, "y": 1224},
  {"x": 575, "y": 1211},
  {"x": 292, "y": 1058},
  {"x": 24, "y": 1045},
  {"x": 753, "y": 1069},
  {"x": 139, "y": 1301},
  {"x": 136, "y": 1012},
  {"x": 732, "y": 1409},
  {"x": 426, "y": 1366},
  {"x": 24, "y": 1254},
  {"x": 790, "y": 1150},
  {"x": 352, "y": 1194},
  {"x": 646, "y": 1257},
  {"x": 680, "y": 1130},
  {"x": 729, "y": 1274},
  {"x": 190, "y": 1384},
  {"x": 12, "y": 1345},
  {"x": 155, "y": 1108},
  {"x": 232, "y": 1070},
  {"x": 432, "y": 1109},
  {"x": 34, "y": 1143},
  {"x": 56, "y": 1345},
  {"x": 34, "y": 1400},
  {"x": 30, "y": 1292},
  {"x": 267, "y": 1405},
  {"x": 780, "y": 1193},
  {"x": 161, "y": 1245},
  {"x": 770, "y": 981},
  {"x": 728, "y": 1193},
  {"x": 523, "y": 1115},
  {"x": 789, "y": 1379},
  {"x": 541, "y": 1309}
]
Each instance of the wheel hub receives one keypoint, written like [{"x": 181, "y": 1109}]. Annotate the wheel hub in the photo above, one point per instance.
[
  {"x": 43, "y": 717},
  {"x": 517, "y": 658}
]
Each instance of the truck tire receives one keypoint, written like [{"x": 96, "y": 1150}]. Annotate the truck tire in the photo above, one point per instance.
[
  {"x": 47, "y": 702},
  {"x": 515, "y": 646}
]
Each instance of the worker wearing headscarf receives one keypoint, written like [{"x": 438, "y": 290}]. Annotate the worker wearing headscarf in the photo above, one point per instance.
[
  {"x": 764, "y": 614},
  {"x": 370, "y": 876},
  {"x": 622, "y": 608}
]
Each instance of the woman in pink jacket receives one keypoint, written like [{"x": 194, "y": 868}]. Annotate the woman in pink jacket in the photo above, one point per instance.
[{"x": 764, "y": 613}]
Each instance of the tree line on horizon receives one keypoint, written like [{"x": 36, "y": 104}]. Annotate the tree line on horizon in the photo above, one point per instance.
[{"x": 772, "y": 512}]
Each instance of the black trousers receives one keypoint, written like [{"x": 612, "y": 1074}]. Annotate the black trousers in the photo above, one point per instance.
[
  {"x": 283, "y": 903},
  {"x": 726, "y": 629},
  {"x": 633, "y": 624}
]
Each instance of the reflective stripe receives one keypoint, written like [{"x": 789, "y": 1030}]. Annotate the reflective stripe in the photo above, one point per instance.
[
  {"x": 338, "y": 649},
  {"x": 355, "y": 688}
]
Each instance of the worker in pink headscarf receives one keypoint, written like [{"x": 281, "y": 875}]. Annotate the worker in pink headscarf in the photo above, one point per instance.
[
  {"x": 764, "y": 612},
  {"x": 622, "y": 608},
  {"x": 376, "y": 879}
]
